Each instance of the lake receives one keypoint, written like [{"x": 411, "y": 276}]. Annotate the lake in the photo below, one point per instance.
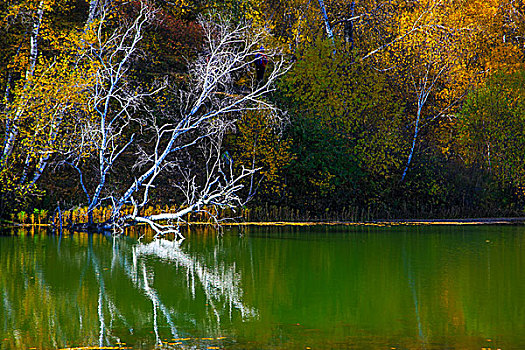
[{"x": 318, "y": 287}]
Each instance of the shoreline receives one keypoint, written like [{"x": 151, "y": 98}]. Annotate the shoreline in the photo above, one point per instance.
[{"x": 396, "y": 222}]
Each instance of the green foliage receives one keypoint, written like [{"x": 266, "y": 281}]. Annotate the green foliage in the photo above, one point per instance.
[
  {"x": 353, "y": 101},
  {"x": 347, "y": 125},
  {"x": 39, "y": 101},
  {"x": 492, "y": 127},
  {"x": 40, "y": 215},
  {"x": 22, "y": 217},
  {"x": 259, "y": 144},
  {"x": 324, "y": 172}
]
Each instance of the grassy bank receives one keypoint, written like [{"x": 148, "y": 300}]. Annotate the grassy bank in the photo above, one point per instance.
[{"x": 260, "y": 216}]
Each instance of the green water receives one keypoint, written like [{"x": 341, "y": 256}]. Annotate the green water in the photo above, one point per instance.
[{"x": 280, "y": 288}]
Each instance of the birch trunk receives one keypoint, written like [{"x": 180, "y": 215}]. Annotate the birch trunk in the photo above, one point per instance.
[{"x": 12, "y": 127}]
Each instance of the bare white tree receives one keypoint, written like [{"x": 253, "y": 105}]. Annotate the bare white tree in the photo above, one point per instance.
[
  {"x": 423, "y": 86},
  {"x": 109, "y": 51},
  {"x": 207, "y": 106}
]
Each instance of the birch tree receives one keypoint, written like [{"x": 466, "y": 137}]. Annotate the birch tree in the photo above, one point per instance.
[
  {"x": 209, "y": 107},
  {"x": 12, "y": 112},
  {"x": 182, "y": 140},
  {"x": 40, "y": 92},
  {"x": 112, "y": 101}
]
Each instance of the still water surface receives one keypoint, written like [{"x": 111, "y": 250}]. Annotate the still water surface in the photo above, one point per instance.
[{"x": 270, "y": 288}]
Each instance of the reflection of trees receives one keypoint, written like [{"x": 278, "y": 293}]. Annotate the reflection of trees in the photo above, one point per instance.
[
  {"x": 413, "y": 291},
  {"x": 221, "y": 283},
  {"x": 92, "y": 295},
  {"x": 105, "y": 301},
  {"x": 140, "y": 281}
]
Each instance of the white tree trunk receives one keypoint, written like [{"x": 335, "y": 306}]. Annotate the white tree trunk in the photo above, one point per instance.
[
  {"x": 93, "y": 7},
  {"x": 208, "y": 109},
  {"x": 12, "y": 122}
]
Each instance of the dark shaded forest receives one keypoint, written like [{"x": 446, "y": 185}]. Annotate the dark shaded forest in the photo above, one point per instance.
[{"x": 268, "y": 110}]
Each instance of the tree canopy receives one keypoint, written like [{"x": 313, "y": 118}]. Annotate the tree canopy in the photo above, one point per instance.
[{"x": 396, "y": 108}]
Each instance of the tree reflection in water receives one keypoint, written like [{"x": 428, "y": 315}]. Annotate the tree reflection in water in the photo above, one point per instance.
[
  {"x": 221, "y": 283},
  {"x": 324, "y": 288},
  {"x": 57, "y": 295}
]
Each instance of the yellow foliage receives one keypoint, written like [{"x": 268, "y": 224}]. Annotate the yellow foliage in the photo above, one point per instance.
[{"x": 258, "y": 144}]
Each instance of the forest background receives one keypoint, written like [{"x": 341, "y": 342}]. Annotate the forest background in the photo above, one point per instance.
[{"x": 366, "y": 110}]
